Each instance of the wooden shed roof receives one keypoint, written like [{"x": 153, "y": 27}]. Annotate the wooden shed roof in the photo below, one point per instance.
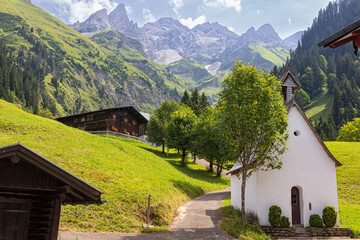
[
  {"x": 343, "y": 36},
  {"x": 75, "y": 189}
]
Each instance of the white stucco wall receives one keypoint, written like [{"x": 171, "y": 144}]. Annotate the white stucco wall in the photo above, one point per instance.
[
  {"x": 250, "y": 193},
  {"x": 306, "y": 165}
]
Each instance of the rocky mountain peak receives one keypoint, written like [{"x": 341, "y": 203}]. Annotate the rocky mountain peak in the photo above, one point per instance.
[
  {"x": 268, "y": 34},
  {"x": 119, "y": 21}
]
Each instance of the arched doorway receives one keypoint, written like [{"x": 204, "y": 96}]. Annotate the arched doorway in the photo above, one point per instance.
[{"x": 295, "y": 206}]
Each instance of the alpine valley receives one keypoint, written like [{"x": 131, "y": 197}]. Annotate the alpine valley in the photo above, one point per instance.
[{"x": 110, "y": 61}]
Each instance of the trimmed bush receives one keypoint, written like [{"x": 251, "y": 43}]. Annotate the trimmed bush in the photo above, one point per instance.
[
  {"x": 315, "y": 221},
  {"x": 329, "y": 216},
  {"x": 274, "y": 215},
  {"x": 284, "y": 222}
]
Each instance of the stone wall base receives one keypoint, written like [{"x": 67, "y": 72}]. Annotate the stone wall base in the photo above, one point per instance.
[
  {"x": 276, "y": 232},
  {"x": 329, "y": 232}
]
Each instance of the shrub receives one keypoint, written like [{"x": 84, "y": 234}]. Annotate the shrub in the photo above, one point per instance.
[
  {"x": 284, "y": 222},
  {"x": 329, "y": 216},
  {"x": 315, "y": 221},
  {"x": 274, "y": 215}
]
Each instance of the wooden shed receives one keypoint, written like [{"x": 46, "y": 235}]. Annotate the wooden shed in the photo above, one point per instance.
[
  {"x": 125, "y": 120},
  {"x": 32, "y": 190}
]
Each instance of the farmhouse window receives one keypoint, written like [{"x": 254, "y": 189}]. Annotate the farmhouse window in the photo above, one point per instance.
[
  {"x": 76, "y": 120},
  {"x": 114, "y": 116},
  {"x": 83, "y": 119},
  {"x": 134, "y": 122},
  {"x": 90, "y": 118},
  {"x": 125, "y": 120}
]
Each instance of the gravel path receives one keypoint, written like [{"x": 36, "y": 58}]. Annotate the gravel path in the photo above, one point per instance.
[{"x": 197, "y": 219}]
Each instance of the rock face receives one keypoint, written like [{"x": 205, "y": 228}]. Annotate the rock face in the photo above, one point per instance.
[
  {"x": 97, "y": 22},
  {"x": 167, "y": 40},
  {"x": 100, "y": 21},
  {"x": 120, "y": 22}
]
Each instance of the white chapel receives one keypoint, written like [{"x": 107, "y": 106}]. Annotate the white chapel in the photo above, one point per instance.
[{"x": 305, "y": 184}]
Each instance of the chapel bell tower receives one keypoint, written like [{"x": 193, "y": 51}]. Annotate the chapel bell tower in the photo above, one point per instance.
[{"x": 289, "y": 85}]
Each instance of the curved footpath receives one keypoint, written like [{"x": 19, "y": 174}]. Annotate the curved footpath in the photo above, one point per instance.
[{"x": 197, "y": 219}]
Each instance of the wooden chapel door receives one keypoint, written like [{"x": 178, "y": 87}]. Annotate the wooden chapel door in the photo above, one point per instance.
[{"x": 295, "y": 205}]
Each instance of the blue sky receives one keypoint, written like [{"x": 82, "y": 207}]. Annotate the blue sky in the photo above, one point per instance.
[{"x": 286, "y": 16}]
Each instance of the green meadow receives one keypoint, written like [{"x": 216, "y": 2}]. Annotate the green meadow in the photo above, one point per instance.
[
  {"x": 126, "y": 171},
  {"x": 348, "y": 180}
]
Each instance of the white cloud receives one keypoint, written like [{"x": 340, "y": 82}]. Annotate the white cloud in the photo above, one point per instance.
[
  {"x": 289, "y": 20},
  {"x": 75, "y": 10},
  {"x": 176, "y": 5},
  {"x": 231, "y": 29},
  {"x": 129, "y": 9},
  {"x": 190, "y": 23},
  {"x": 148, "y": 15},
  {"x": 236, "y": 4},
  {"x": 258, "y": 12}
]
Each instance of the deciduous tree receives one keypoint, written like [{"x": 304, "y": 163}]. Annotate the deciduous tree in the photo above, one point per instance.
[
  {"x": 254, "y": 121},
  {"x": 179, "y": 132}
]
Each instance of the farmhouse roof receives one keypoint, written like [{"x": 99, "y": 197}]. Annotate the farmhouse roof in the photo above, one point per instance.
[
  {"x": 130, "y": 109},
  {"x": 343, "y": 36},
  {"x": 77, "y": 191},
  {"x": 292, "y": 103}
]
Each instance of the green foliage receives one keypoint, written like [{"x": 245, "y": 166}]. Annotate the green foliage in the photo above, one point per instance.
[
  {"x": 329, "y": 216},
  {"x": 179, "y": 132},
  {"x": 302, "y": 98},
  {"x": 209, "y": 140},
  {"x": 254, "y": 119},
  {"x": 274, "y": 215},
  {"x": 196, "y": 102},
  {"x": 284, "y": 222},
  {"x": 126, "y": 171},
  {"x": 231, "y": 223},
  {"x": 159, "y": 120},
  {"x": 315, "y": 221},
  {"x": 350, "y": 132}
]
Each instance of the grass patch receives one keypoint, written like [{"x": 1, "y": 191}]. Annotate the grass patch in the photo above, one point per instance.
[
  {"x": 125, "y": 170},
  {"x": 348, "y": 182},
  {"x": 231, "y": 222},
  {"x": 320, "y": 107}
]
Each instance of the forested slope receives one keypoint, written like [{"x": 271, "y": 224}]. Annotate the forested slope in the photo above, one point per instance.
[{"x": 330, "y": 77}]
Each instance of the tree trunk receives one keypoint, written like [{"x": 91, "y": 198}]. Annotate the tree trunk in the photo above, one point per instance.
[
  {"x": 183, "y": 163},
  {"x": 219, "y": 170},
  {"x": 163, "y": 147},
  {"x": 194, "y": 157},
  {"x": 243, "y": 185},
  {"x": 211, "y": 167}
]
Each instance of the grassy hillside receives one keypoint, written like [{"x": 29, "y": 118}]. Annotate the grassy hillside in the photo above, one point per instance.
[
  {"x": 320, "y": 106},
  {"x": 348, "y": 180},
  {"x": 125, "y": 170},
  {"x": 132, "y": 51},
  {"x": 70, "y": 69},
  {"x": 194, "y": 75}
]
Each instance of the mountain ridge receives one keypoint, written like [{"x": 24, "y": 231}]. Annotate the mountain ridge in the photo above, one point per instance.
[{"x": 204, "y": 43}]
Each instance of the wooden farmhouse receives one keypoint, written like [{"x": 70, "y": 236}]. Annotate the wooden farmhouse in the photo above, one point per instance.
[
  {"x": 125, "y": 120},
  {"x": 32, "y": 190},
  {"x": 305, "y": 184}
]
